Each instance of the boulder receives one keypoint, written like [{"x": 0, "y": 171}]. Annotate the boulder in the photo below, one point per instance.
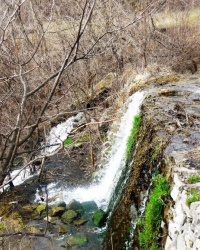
[
  {"x": 89, "y": 206},
  {"x": 63, "y": 229},
  {"x": 69, "y": 216},
  {"x": 41, "y": 208},
  {"x": 77, "y": 240},
  {"x": 99, "y": 218},
  {"x": 57, "y": 211},
  {"x": 79, "y": 222},
  {"x": 75, "y": 205}
]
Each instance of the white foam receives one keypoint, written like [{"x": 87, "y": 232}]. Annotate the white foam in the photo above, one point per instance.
[{"x": 59, "y": 133}]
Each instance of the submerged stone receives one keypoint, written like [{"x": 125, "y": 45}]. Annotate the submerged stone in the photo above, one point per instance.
[
  {"x": 69, "y": 216},
  {"x": 77, "y": 240}
]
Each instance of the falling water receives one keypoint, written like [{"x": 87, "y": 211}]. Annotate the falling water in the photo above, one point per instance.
[
  {"x": 60, "y": 133},
  {"x": 113, "y": 163}
]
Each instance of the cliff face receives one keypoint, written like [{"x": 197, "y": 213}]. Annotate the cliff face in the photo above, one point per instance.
[{"x": 168, "y": 142}]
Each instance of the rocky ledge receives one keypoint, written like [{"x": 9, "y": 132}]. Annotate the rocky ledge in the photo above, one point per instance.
[
  {"x": 177, "y": 110},
  {"x": 169, "y": 143}
]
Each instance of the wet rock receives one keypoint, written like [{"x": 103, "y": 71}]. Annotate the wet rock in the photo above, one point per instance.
[
  {"x": 75, "y": 205},
  {"x": 57, "y": 211},
  {"x": 77, "y": 240},
  {"x": 53, "y": 220},
  {"x": 63, "y": 229},
  {"x": 40, "y": 209},
  {"x": 69, "y": 216},
  {"x": 79, "y": 222},
  {"x": 62, "y": 204},
  {"x": 99, "y": 218},
  {"x": 89, "y": 206}
]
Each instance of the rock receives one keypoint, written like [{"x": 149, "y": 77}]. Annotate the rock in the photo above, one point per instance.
[
  {"x": 61, "y": 204},
  {"x": 63, "y": 229},
  {"x": 77, "y": 240},
  {"x": 53, "y": 220},
  {"x": 99, "y": 218},
  {"x": 41, "y": 208},
  {"x": 33, "y": 230},
  {"x": 75, "y": 205},
  {"x": 89, "y": 206},
  {"x": 69, "y": 216},
  {"x": 79, "y": 222},
  {"x": 57, "y": 211}
]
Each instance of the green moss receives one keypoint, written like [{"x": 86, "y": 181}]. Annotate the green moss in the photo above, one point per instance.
[
  {"x": 99, "y": 217},
  {"x": 41, "y": 208},
  {"x": 68, "y": 141},
  {"x": 194, "y": 179},
  {"x": 150, "y": 225},
  {"x": 156, "y": 150},
  {"x": 82, "y": 139},
  {"x": 193, "y": 197},
  {"x": 133, "y": 136},
  {"x": 77, "y": 240},
  {"x": 2, "y": 226}
]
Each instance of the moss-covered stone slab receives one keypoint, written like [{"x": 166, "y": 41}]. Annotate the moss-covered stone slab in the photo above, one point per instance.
[
  {"x": 99, "y": 218},
  {"x": 69, "y": 216},
  {"x": 77, "y": 240}
]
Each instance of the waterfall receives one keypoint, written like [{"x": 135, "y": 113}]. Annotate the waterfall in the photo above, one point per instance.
[
  {"x": 59, "y": 133},
  {"x": 113, "y": 163}
]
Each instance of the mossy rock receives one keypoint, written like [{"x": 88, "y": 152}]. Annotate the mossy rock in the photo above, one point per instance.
[
  {"x": 57, "y": 211},
  {"x": 33, "y": 230},
  {"x": 69, "y": 216},
  {"x": 27, "y": 211},
  {"x": 99, "y": 218},
  {"x": 79, "y": 222},
  {"x": 77, "y": 240},
  {"x": 41, "y": 208},
  {"x": 63, "y": 229}
]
